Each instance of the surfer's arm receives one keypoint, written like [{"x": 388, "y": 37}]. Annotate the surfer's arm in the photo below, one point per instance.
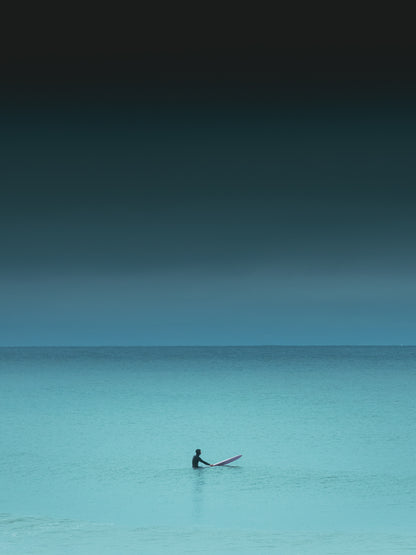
[{"x": 200, "y": 460}]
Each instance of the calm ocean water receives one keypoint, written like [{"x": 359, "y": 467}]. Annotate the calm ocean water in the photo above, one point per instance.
[{"x": 96, "y": 449}]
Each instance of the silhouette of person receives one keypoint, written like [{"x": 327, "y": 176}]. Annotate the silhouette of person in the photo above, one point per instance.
[{"x": 196, "y": 459}]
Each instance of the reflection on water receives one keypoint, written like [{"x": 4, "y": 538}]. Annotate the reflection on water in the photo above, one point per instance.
[{"x": 199, "y": 484}]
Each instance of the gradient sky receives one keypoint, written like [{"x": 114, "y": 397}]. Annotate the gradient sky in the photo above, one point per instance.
[{"x": 163, "y": 188}]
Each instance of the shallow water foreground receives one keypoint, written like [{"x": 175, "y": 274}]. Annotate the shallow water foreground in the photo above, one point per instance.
[{"x": 97, "y": 447}]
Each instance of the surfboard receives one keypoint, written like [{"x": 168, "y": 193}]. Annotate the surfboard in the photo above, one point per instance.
[{"x": 227, "y": 461}]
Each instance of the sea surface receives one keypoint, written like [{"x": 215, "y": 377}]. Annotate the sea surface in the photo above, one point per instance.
[{"x": 96, "y": 447}]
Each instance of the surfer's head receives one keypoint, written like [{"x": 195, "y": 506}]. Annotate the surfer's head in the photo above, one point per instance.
[{"x": 198, "y": 451}]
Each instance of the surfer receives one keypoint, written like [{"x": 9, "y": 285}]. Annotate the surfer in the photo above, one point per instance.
[{"x": 196, "y": 459}]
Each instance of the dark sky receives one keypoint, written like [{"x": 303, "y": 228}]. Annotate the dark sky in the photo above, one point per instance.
[{"x": 207, "y": 178}]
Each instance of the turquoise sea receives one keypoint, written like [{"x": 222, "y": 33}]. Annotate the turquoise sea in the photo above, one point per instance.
[{"x": 96, "y": 449}]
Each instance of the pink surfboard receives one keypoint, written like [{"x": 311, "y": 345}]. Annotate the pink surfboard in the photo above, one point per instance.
[{"x": 227, "y": 461}]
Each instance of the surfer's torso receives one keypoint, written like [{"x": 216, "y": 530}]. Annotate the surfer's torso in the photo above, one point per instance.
[{"x": 196, "y": 459}]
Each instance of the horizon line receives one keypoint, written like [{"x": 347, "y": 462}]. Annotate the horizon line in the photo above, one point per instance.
[{"x": 92, "y": 346}]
